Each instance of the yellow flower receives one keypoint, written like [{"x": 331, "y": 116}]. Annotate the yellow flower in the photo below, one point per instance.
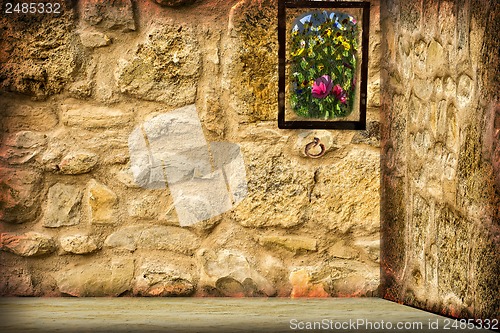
[
  {"x": 299, "y": 52},
  {"x": 346, "y": 45}
]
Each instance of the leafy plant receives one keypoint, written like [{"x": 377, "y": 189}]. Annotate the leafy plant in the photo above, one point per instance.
[{"x": 323, "y": 47}]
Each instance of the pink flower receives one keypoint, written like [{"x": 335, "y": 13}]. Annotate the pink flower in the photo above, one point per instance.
[
  {"x": 339, "y": 93},
  {"x": 322, "y": 87}
]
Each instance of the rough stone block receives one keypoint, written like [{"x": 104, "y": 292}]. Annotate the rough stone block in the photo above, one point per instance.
[
  {"x": 78, "y": 244},
  {"x": 109, "y": 277},
  {"x": 437, "y": 59},
  {"x": 102, "y": 203},
  {"x": 94, "y": 39},
  {"x": 19, "y": 194},
  {"x": 28, "y": 244},
  {"x": 168, "y": 238},
  {"x": 125, "y": 238},
  {"x": 110, "y": 15},
  {"x": 45, "y": 62},
  {"x": 277, "y": 195},
  {"x": 230, "y": 268},
  {"x": 94, "y": 117},
  {"x": 21, "y": 147},
  {"x": 164, "y": 68},
  {"x": 163, "y": 279},
  {"x": 292, "y": 243},
  {"x": 63, "y": 206},
  {"x": 302, "y": 286},
  {"x": 77, "y": 163}
]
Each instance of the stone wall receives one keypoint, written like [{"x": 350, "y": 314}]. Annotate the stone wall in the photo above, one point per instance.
[
  {"x": 73, "y": 220},
  {"x": 440, "y": 155}
]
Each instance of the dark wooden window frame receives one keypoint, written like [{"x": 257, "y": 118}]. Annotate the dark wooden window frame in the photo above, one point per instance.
[{"x": 330, "y": 124}]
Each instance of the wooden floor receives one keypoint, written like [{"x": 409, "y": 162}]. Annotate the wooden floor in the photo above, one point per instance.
[{"x": 216, "y": 315}]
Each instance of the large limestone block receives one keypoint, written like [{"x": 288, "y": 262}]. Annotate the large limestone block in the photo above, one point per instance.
[
  {"x": 63, "y": 206},
  {"x": 124, "y": 238},
  {"x": 336, "y": 277},
  {"x": 164, "y": 68},
  {"x": 102, "y": 203},
  {"x": 19, "y": 194},
  {"x": 110, "y": 277},
  {"x": 28, "y": 244}
]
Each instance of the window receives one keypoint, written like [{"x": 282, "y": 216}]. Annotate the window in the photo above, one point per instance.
[{"x": 323, "y": 64}]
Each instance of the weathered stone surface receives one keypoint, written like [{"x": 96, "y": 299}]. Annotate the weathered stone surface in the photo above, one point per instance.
[
  {"x": 277, "y": 195},
  {"x": 28, "y": 244},
  {"x": 77, "y": 163},
  {"x": 154, "y": 238},
  {"x": 78, "y": 244},
  {"x": 435, "y": 210},
  {"x": 94, "y": 39},
  {"x": 168, "y": 238},
  {"x": 15, "y": 280},
  {"x": 102, "y": 203},
  {"x": 63, "y": 206},
  {"x": 302, "y": 286},
  {"x": 23, "y": 117},
  {"x": 437, "y": 59},
  {"x": 158, "y": 205},
  {"x": 110, "y": 277},
  {"x": 295, "y": 244},
  {"x": 125, "y": 238},
  {"x": 19, "y": 194},
  {"x": 174, "y": 3},
  {"x": 26, "y": 139},
  {"x": 161, "y": 278},
  {"x": 370, "y": 136},
  {"x": 39, "y": 52},
  {"x": 82, "y": 89},
  {"x": 352, "y": 210},
  {"x": 94, "y": 117},
  {"x": 252, "y": 72},
  {"x": 230, "y": 267},
  {"x": 21, "y": 147},
  {"x": 164, "y": 68},
  {"x": 110, "y": 15}
]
